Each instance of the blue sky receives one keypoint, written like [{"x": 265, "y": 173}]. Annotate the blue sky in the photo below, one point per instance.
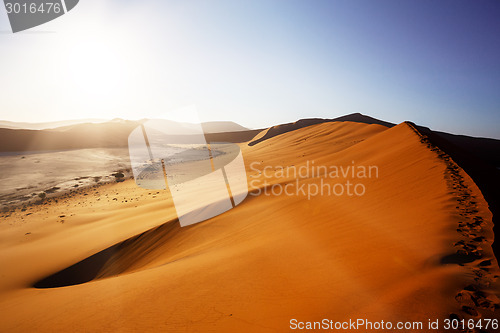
[{"x": 260, "y": 63}]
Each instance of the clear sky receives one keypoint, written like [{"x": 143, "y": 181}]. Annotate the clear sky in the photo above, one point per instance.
[{"x": 260, "y": 63}]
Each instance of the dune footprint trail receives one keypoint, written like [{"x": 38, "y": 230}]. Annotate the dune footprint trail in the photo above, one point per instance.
[
  {"x": 477, "y": 299},
  {"x": 390, "y": 254}
]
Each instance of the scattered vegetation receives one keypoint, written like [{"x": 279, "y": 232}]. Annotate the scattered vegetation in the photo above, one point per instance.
[{"x": 120, "y": 177}]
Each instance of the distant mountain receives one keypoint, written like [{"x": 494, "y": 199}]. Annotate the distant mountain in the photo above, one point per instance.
[
  {"x": 46, "y": 125},
  {"x": 104, "y": 135},
  {"x": 222, "y": 127},
  {"x": 63, "y": 125},
  {"x": 110, "y": 134}
]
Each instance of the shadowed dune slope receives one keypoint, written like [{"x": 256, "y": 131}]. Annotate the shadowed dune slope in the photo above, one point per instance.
[
  {"x": 485, "y": 149},
  {"x": 479, "y": 158},
  {"x": 276, "y": 256}
]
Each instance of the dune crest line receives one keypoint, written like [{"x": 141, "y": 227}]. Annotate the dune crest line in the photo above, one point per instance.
[{"x": 475, "y": 299}]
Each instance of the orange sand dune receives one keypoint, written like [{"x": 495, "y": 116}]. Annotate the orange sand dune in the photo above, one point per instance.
[{"x": 389, "y": 254}]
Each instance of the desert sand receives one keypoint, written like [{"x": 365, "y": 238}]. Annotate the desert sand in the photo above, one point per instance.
[{"x": 415, "y": 246}]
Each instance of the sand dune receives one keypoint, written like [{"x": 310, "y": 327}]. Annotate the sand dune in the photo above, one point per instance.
[
  {"x": 302, "y": 123},
  {"x": 415, "y": 246}
]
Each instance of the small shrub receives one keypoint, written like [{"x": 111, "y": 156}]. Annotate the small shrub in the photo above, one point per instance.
[{"x": 119, "y": 176}]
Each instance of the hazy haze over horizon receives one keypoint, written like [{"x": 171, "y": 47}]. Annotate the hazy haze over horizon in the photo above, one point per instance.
[{"x": 260, "y": 63}]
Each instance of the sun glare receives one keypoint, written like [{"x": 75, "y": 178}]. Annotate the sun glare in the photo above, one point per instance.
[{"x": 96, "y": 70}]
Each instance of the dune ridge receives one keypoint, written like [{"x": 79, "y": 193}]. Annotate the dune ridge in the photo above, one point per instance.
[{"x": 474, "y": 298}]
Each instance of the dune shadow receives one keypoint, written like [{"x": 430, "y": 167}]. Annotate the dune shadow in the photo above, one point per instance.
[
  {"x": 126, "y": 256},
  {"x": 81, "y": 272},
  {"x": 478, "y": 158},
  {"x": 114, "y": 260}
]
